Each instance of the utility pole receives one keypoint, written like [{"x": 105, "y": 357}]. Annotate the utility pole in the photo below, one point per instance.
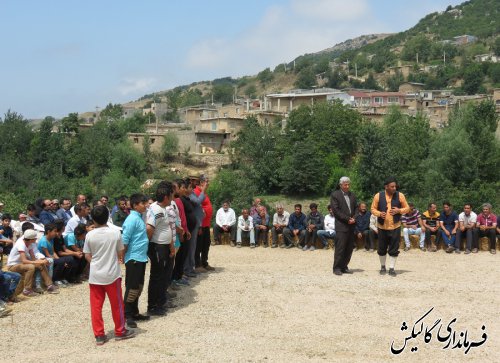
[
  {"x": 417, "y": 58},
  {"x": 444, "y": 57},
  {"x": 356, "y": 69}
]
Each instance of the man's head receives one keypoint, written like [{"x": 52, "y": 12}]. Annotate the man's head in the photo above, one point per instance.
[
  {"x": 122, "y": 203},
  {"x": 244, "y": 213},
  {"x": 313, "y": 207},
  {"x": 22, "y": 217},
  {"x": 432, "y": 208},
  {"x": 55, "y": 204},
  {"x": 194, "y": 181},
  {"x": 82, "y": 210},
  {"x": 6, "y": 219},
  {"x": 31, "y": 210},
  {"x": 279, "y": 209},
  {"x": 412, "y": 207},
  {"x": 47, "y": 204},
  {"x": 50, "y": 231},
  {"x": 467, "y": 208},
  {"x": 298, "y": 209},
  {"x": 139, "y": 202},
  {"x": 26, "y": 226},
  {"x": 164, "y": 192},
  {"x": 262, "y": 212},
  {"x": 446, "y": 207},
  {"x": 59, "y": 227},
  {"x": 81, "y": 198},
  {"x": 99, "y": 214},
  {"x": 390, "y": 185},
  {"x": 486, "y": 208},
  {"x": 362, "y": 207},
  {"x": 345, "y": 184},
  {"x": 29, "y": 236},
  {"x": 104, "y": 200},
  {"x": 225, "y": 205},
  {"x": 330, "y": 210},
  {"x": 66, "y": 203},
  {"x": 256, "y": 201}
]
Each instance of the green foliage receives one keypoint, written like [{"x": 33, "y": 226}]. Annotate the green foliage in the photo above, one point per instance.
[
  {"x": 223, "y": 93},
  {"x": 306, "y": 78},
  {"x": 496, "y": 46},
  {"x": 234, "y": 186},
  {"x": 251, "y": 91},
  {"x": 265, "y": 76},
  {"x": 473, "y": 78},
  {"x": 112, "y": 112},
  {"x": 170, "y": 146},
  {"x": 70, "y": 123}
]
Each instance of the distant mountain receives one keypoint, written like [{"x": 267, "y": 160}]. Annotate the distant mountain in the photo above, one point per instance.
[{"x": 352, "y": 44}]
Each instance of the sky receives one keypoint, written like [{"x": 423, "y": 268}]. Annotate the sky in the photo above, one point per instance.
[{"x": 61, "y": 56}]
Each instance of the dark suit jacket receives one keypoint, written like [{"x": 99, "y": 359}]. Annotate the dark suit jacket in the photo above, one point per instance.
[{"x": 341, "y": 210}]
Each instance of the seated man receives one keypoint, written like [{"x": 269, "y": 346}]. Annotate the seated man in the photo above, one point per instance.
[
  {"x": 448, "y": 220},
  {"x": 19, "y": 262},
  {"x": 74, "y": 243},
  {"x": 245, "y": 227},
  {"x": 412, "y": 224},
  {"x": 31, "y": 211},
  {"x": 280, "y": 221},
  {"x": 329, "y": 229},
  {"x": 46, "y": 215},
  {"x": 487, "y": 224},
  {"x": 372, "y": 233},
  {"x": 225, "y": 222},
  {"x": 430, "y": 219},
  {"x": 261, "y": 223},
  {"x": 73, "y": 262},
  {"x": 314, "y": 222},
  {"x": 467, "y": 228},
  {"x": 63, "y": 265},
  {"x": 8, "y": 284},
  {"x": 80, "y": 217},
  {"x": 256, "y": 206},
  {"x": 362, "y": 228},
  {"x": 296, "y": 228},
  {"x": 64, "y": 213},
  {"x": 6, "y": 236}
]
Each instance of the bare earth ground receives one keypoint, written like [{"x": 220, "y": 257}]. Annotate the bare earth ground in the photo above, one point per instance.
[{"x": 274, "y": 305}]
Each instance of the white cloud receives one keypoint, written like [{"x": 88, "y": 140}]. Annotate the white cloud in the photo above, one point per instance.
[
  {"x": 283, "y": 33},
  {"x": 131, "y": 86}
]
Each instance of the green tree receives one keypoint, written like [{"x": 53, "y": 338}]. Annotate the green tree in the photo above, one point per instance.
[
  {"x": 251, "y": 91},
  {"x": 70, "y": 123},
  {"x": 305, "y": 78},
  {"x": 473, "y": 77},
  {"x": 265, "y": 76},
  {"x": 112, "y": 111},
  {"x": 418, "y": 44},
  {"x": 223, "y": 93},
  {"x": 170, "y": 146}
]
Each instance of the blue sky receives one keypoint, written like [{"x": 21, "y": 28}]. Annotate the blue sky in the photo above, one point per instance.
[{"x": 71, "y": 56}]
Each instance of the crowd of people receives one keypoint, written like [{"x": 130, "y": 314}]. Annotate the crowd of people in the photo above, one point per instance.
[{"x": 56, "y": 244}]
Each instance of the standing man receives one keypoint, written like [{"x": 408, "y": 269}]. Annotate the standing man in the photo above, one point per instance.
[
  {"x": 196, "y": 200},
  {"x": 389, "y": 205},
  {"x": 203, "y": 242},
  {"x": 344, "y": 207}
]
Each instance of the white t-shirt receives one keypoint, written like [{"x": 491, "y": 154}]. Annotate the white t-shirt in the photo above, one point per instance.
[
  {"x": 159, "y": 218},
  {"x": 73, "y": 223},
  {"x": 15, "y": 256},
  {"x": 470, "y": 219},
  {"x": 103, "y": 243}
]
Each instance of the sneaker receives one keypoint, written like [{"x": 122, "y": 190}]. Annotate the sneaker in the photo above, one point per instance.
[
  {"x": 305, "y": 248},
  {"x": 29, "y": 293},
  {"x": 423, "y": 249},
  {"x": 382, "y": 270},
  {"x": 372, "y": 250},
  {"x": 492, "y": 251},
  {"x": 182, "y": 282},
  {"x": 457, "y": 251},
  {"x": 131, "y": 323},
  {"x": 171, "y": 295},
  {"x": 200, "y": 269},
  {"x": 52, "y": 289},
  {"x": 282, "y": 245},
  {"x": 274, "y": 245},
  {"x": 467, "y": 252},
  {"x": 66, "y": 282},
  {"x": 38, "y": 290},
  {"x": 450, "y": 249},
  {"x": 238, "y": 245},
  {"x": 191, "y": 274},
  {"x": 312, "y": 248},
  {"x": 337, "y": 272},
  {"x": 289, "y": 246},
  {"x": 209, "y": 268},
  {"x": 474, "y": 250},
  {"x": 232, "y": 244},
  {"x": 100, "y": 340},
  {"x": 265, "y": 245},
  {"x": 392, "y": 272},
  {"x": 157, "y": 312},
  {"x": 59, "y": 284},
  {"x": 128, "y": 334},
  {"x": 5, "y": 311},
  {"x": 140, "y": 317},
  {"x": 346, "y": 271},
  {"x": 174, "y": 287},
  {"x": 252, "y": 245},
  {"x": 407, "y": 249}
]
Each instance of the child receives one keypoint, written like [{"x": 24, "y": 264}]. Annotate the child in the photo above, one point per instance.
[
  {"x": 103, "y": 250},
  {"x": 73, "y": 246},
  {"x": 136, "y": 244}
]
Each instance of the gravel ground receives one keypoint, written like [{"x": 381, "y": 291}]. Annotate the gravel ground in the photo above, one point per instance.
[{"x": 275, "y": 305}]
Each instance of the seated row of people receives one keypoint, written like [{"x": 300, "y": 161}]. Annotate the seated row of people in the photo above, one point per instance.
[{"x": 446, "y": 226}]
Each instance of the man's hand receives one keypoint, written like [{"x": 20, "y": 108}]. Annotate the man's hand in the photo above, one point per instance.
[
  {"x": 446, "y": 232},
  {"x": 295, "y": 232},
  {"x": 383, "y": 215},
  {"x": 394, "y": 211},
  {"x": 360, "y": 235},
  {"x": 351, "y": 221}
]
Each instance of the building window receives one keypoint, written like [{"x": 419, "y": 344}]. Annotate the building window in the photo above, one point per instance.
[
  {"x": 393, "y": 99},
  {"x": 225, "y": 114},
  {"x": 378, "y": 100},
  {"x": 238, "y": 110},
  {"x": 153, "y": 140},
  {"x": 214, "y": 126},
  {"x": 136, "y": 140}
]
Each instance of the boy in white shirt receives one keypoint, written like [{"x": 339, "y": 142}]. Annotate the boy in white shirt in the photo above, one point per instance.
[{"x": 104, "y": 250}]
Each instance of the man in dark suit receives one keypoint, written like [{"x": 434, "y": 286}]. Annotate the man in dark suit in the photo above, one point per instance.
[{"x": 344, "y": 207}]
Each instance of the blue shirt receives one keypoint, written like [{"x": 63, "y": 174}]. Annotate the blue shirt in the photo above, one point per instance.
[
  {"x": 44, "y": 243},
  {"x": 449, "y": 221},
  {"x": 295, "y": 222},
  {"x": 362, "y": 222},
  {"x": 134, "y": 236},
  {"x": 46, "y": 217},
  {"x": 70, "y": 240}
]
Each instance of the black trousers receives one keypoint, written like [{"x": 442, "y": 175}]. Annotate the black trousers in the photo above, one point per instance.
[
  {"x": 134, "y": 283},
  {"x": 202, "y": 247},
  {"x": 344, "y": 246},
  {"x": 179, "y": 262},
  {"x": 388, "y": 241},
  {"x": 159, "y": 255},
  {"x": 490, "y": 233},
  {"x": 64, "y": 268}
]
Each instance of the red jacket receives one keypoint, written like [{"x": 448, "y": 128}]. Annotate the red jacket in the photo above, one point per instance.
[{"x": 206, "y": 205}]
